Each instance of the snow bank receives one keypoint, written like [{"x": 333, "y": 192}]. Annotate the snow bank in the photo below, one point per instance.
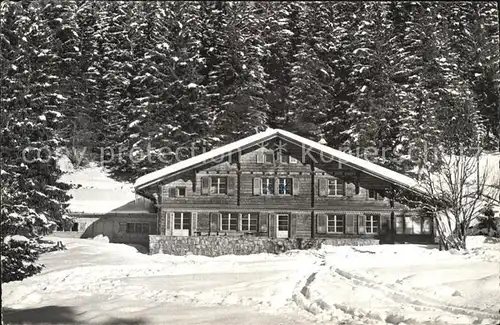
[{"x": 101, "y": 238}]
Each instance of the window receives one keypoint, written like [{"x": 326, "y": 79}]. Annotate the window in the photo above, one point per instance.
[
  {"x": 284, "y": 158},
  {"x": 269, "y": 157},
  {"x": 74, "y": 227},
  {"x": 408, "y": 225},
  {"x": 373, "y": 195},
  {"x": 283, "y": 222},
  {"x": 219, "y": 185},
  {"x": 229, "y": 221},
  {"x": 137, "y": 228},
  {"x": 372, "y": 224},
  {"x": 181, "y": 191},
  {"x": 335, "y": 224},
  {"x": 267, "y": 186},
  {"x": 249, "y": 221},
  {"x": 335, "y": 187},
  {"x": 399, "y": 225},
  {"x": 285, "y": 186},
  {"x": 426, "y": 226},
  {"x": 413, "y": 225},
  {"x": 182, "y": 221}
]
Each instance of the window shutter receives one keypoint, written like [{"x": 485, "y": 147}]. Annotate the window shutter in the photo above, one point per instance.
[
  {"x": 257, "y": 186},
  {"x": 276, "y": 185},
  {"x": 170, "y": 223},
  {"x": 321, "y": 223},
  {"x": 293, "y": 225},
  {"x": 205, "y": 185},
  {"x": 349, "y": 224},
  {"x": 152, "y": 228},
  {"x": 260, "y": 158},
  {"x": 361, "y": 224},
  {"x": 172, "y": 192},
  {"x": 231, "y": 185},
  {"x": 214, "y": 222},
  {"x": 239, "y": 222},
  {"x": 194, "y": 223},
  {"x": 323, "y": 187},
  {"x": 273, "y": 225},
  {"x": 296, "y": 186},
  {"x": 350, "y": 188},
  {"x": 263, "y": 227},
  {"x": 356, "y": 191}
]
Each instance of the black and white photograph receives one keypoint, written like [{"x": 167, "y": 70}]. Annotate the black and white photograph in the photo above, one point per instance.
[{"x": 250, "y": 162}]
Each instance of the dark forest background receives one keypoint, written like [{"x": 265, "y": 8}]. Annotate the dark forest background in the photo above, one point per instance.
[{"x": 85, "y": 75}]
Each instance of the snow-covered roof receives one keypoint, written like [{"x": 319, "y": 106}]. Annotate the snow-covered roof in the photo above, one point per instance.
[
  {"x": 345, "y": 158},
  {"x": 97, "y": 193}
]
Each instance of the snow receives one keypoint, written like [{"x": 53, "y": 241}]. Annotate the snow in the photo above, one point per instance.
[
  {"x": 98, "y": 282},
  {"x": 20, "y": 238},
  {"x": 134, "y": 123},
  {"x": 344, "y": 158},
  {"x": 97, "y": 193},
  {"x": 192, "y": 85}
]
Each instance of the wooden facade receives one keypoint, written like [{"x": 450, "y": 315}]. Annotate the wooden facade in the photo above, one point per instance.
[{"x": 288, "y": 193}]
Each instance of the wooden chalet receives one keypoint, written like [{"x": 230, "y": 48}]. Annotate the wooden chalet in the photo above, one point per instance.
[{"x": 281, "y": 185}]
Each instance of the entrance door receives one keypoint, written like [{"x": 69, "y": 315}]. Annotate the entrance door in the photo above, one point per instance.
[
  {"x": 283, "y": 226},
  {"x": 182, "y": 224}
]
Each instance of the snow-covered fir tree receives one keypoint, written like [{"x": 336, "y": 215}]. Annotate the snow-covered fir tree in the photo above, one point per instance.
[{"x": 33, "y": 200}]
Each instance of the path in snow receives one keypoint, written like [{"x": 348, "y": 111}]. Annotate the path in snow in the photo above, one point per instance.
[{"x": 102, "y": 283}]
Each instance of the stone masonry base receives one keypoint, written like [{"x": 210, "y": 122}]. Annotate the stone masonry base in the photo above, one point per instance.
[{"x": 226, "y": 245}]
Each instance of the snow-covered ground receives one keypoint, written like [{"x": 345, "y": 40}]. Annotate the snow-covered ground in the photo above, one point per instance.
[{"x": 97, "y": 282}]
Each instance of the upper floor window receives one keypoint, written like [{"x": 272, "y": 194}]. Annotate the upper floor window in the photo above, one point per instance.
[
  {"x": 335, "y": 187},
  {"x": 228, "y": 221},
  {"x": 335, "y": 223},
  {"x": 269, "y": 157},
  {"x": 372, "y": 224},
  {"x": 284, "y": 158},
  {"x": 268, "y": 186},
  {"x": 219, "y": 185},
  {"x": 373, "y": 195},
  {"x": 285, "y": 186}
]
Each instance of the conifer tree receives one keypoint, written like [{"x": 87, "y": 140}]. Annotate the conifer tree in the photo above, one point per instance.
[{"x": 33, "y": 200}]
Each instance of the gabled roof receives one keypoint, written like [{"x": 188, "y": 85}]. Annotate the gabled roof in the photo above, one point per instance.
[{"x": 342, "y": 157}]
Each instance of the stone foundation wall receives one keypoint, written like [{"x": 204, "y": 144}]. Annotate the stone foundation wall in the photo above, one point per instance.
[{"x": 225, "y": 245}]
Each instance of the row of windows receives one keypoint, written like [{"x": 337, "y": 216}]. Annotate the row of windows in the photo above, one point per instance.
[
  {"x": 219, "y": 185},
  {"x": 135, "y": 227},
  {"x": 228, "y": 221},
  {"x": 336, "y": 223},
  {"x": 284, "y": 186},
  {"x": 414, "y": 225}
]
